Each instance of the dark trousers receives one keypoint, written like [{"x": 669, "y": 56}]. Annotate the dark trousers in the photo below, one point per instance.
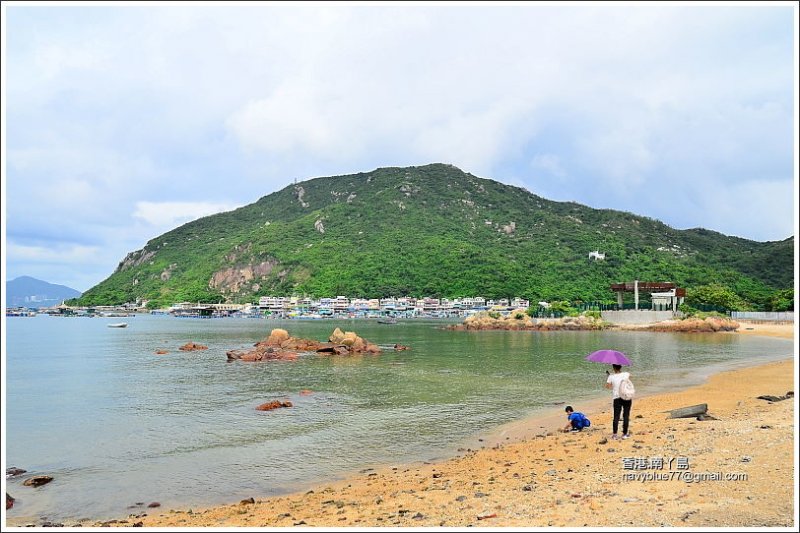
[{"x": 625, "y": 407}]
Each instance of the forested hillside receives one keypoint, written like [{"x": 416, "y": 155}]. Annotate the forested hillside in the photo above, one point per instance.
[{"x": 432, "y": 230}]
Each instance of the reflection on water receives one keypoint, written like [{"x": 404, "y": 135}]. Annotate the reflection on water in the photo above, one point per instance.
[{"x": 115, "y": 424}]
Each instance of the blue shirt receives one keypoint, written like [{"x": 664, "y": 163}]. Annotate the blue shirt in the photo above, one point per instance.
[{"x": 576, "y": 419}]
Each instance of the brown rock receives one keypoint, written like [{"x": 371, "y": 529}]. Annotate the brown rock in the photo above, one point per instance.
[
  {"x": 342, "y": 350},
  {"x": 37, "y": 481},
  {"x": 358, "y": 345},
  {"x": 9, "y": 501},
  {"x": 191, "y": 346},
  {"x": 275, "y": 404},
  {"x": 337, "y": 336},
  {"x": 161, "y": 352},
  {"x": 153, "y": 505},
  {"x": 349, "y": 339},
  {"x": 277, "y": 336}
]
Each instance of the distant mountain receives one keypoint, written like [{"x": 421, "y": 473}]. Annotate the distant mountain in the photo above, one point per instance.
[
  {"x": 26, "y": 291},
  {"x": 431, "y": 230}
]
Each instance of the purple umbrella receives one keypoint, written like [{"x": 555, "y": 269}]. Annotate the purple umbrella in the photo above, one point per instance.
[{"x": 611, "y": 357}]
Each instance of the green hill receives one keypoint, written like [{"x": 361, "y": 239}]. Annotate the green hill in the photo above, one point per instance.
[{"x": 431, "y": 230}]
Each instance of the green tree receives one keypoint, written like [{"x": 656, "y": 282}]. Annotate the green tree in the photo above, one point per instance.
[
  {"x": 715, "y": 295},
  {"x": 782, "y": 300}
]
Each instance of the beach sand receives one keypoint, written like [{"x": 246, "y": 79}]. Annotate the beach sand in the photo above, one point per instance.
[
  {"x": 783, "y": 331},
  {"x": 575, "y": 480}
]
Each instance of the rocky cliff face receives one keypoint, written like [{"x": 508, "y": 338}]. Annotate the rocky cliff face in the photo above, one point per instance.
[{"x": 242, "y": 278}]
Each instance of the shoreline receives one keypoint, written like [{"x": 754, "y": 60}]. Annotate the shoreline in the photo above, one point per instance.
[
  {"x": 455, "y": 490},
  {"x": 544, "y": 478}
]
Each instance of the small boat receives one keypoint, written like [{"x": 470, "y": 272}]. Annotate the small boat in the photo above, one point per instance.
[
  {"x": 118, "y": 325},
  {"x": 388, "y": 320}
]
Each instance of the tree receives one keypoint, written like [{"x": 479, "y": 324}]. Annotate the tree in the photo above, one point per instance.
[
  {"x": 715, "y": 295},
  {"x": 782, "y": 300}
]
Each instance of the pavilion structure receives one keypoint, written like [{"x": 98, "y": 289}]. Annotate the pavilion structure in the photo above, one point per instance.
[{"x": 661, "y": 293}]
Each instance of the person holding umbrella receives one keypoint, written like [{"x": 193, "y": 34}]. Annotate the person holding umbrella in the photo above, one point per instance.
[{"x": 613, "y": 382}]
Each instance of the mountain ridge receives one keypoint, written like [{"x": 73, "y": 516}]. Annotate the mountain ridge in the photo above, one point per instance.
[
  {"x": 27, "y": 291},
  {"x": 430, "y": 230}
]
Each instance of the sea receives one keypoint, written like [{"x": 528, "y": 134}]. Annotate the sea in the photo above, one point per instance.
[{"x": 118, "y": 426}]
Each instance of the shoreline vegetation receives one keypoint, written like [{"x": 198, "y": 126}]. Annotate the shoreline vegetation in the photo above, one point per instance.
[
  {"x": 519, "y": 320},
  {"x": 734, "y": 470}
]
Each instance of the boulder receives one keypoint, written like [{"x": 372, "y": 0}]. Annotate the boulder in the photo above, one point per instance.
[
  {"x": 275, "y": 404},
  {"x": 358, "y": 345},
  {"x": 277, "y": 336},
  {"x": 12, "y": 471},
  {"x": 192, "y": 346},
  {"x": 337, "y": 336},
  {"x": 37, "y": 481},
  {"x": 349, "y": 338},
  {"x": 9, "y": 501},
  {"x": 280, "y": 346},
  {"x": 251, "y": 356}
]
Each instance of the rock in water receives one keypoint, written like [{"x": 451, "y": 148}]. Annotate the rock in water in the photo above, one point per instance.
[
  {"x": 14, "y": 471},
  {"x": 9, "y": 501},
  {"x": 37, "y": 481},
  {"x": 277, "y": 336},
  {"x": 269, "y": 406},
  {"x": 191, "y": 346}
]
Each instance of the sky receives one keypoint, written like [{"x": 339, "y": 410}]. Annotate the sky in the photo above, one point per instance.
[{"x": 124, "y": 121}]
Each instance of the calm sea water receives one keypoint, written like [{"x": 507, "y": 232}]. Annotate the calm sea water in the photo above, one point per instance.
[{"x": 115, "y": 424}]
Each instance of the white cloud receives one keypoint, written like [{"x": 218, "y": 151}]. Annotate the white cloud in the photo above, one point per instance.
[
  {"x": 731, "y": 205},
  {"x": 550, "y": 163},
  {"x": 294, "y": 118},
  {"x": 219, "y": 105},
  {"x": 168, "y": 215},
  {"x": 66, "y": 254}
]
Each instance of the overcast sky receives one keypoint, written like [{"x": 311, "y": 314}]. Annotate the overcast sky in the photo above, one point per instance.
[{"x": 123, "y": 121}]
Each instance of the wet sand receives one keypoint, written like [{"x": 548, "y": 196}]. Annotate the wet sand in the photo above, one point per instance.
[{"x": 530, "y": 475}]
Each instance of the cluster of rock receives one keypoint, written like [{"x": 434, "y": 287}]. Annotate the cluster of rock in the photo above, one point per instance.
[
  {"x": 192, "y": 346},
  {"x": 275, "y": 404},
  {"x": 519, "y": 320},
  {"x": 280, "y": 346},
  {"x": 34, "y": 481},
  {"x": 696, "y": 325},
  {"x": 347, "y": 342}
]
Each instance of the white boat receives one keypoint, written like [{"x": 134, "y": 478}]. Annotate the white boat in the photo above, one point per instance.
[{"x": 118, "y": 325}]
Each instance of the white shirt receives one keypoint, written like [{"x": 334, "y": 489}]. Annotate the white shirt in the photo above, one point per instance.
[{"x": 615, "y": 379}]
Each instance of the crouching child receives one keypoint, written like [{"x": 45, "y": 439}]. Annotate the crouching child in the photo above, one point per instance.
[{"x": 575, "y": 421}]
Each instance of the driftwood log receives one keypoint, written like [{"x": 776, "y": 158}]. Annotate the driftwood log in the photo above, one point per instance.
[
  {"x": 771, "y": 398},
  {"x": 692, "y": 411}
]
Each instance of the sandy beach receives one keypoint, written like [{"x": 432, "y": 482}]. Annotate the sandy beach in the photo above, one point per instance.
[{"x": 734, "y": 471}]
